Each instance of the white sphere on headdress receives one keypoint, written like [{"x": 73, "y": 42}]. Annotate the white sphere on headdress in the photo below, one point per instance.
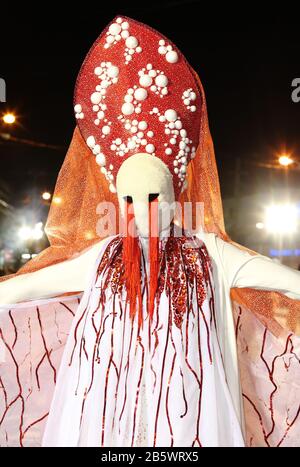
[
  {"x": 78, "y": 108},
  {"x": 113, "y": 71},
  {"x": 106, "y": 130},
  {"x": 162, "y": 50},
  {"x": 110, "y": 39},
  {"x": 152, "y": 73},
  {"x": 112, "y": 188},
  {"x": 100, "y": 159},
  {"x": 150, "y": 148},
  {"x": 131, "y": 42},
  {"x": 145, "y": 80},
  {"x": 140, "y": 94},
  {"x": 143, "y": 125},
  {"x": 172, "y": 56},
  {"x": 161, "y": 81},
  {"x": 171, "y": 115},
  {"x": 91, "y": 141},
  {"x": 96, "y": 98},
  {"x": 131, "y": 145},
  {"x": 114, "y": 29},
  {"x": 127, "y": 108},
  {"x": 125, "y": 25},
  {"x": 96, "y": 149},
  {"x": 104, "y": 84}
]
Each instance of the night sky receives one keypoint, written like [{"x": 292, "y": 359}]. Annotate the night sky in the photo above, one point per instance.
[{"x": 246, "y": 60}]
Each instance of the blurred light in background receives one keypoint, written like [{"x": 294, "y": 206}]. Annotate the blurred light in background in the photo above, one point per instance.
[
  {"x": 46, "y": 196},
  {"x": 26, "y": 256},
  {"x": 25, "y": 233},
  {"x": 260, "y": 225},
  {"x": 281, "y": 218},
  {"x": 285, "y": 160},
  {"x": 29, "y": 233},
  {"x": 9, "y": 118}
]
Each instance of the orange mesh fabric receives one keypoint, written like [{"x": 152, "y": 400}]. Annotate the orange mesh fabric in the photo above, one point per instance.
[{"x": 73, "y": 218}]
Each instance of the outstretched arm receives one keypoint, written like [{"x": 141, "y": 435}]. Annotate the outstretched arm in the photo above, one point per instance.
[
  {"x": 68, "y": 276},
  {"x": 259, "y": 272}
]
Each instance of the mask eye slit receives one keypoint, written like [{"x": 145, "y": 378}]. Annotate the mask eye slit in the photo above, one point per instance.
[
  {"x": 128, "y": 199},
  {"x": 153, "y": 196}
]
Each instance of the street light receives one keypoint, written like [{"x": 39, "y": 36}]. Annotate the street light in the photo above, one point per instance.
[
  {"x": 285, "y": 160},
  {"x": 9, "y": 118},
  {"x": 46, "y": 196}
]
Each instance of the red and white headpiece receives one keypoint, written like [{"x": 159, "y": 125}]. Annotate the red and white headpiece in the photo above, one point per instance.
[{"x": 136, "y": 93}]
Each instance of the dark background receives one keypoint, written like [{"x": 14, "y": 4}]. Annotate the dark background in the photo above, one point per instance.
[{"x": 246, "y": 57}]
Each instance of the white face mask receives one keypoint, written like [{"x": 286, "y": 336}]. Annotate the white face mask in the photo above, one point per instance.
[{"x": 142, "y": 178}]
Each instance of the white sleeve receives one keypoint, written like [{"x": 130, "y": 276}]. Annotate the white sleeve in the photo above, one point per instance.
[
  {"x": 68, "y": 276},
  {"x": 260, "y": 272}
]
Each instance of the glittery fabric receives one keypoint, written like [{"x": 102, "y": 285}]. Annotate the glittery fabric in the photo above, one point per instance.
[
  {"x": 159, "y": 384},
  {"x": 185, "y": 268},
  {"x": 32, "y": 341},
  {"x": 270, "y": 374}
]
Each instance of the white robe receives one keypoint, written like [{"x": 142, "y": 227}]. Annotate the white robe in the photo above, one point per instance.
[
  {"x": 232, "y": 267},
  {"x": 163, "y": 386}
]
